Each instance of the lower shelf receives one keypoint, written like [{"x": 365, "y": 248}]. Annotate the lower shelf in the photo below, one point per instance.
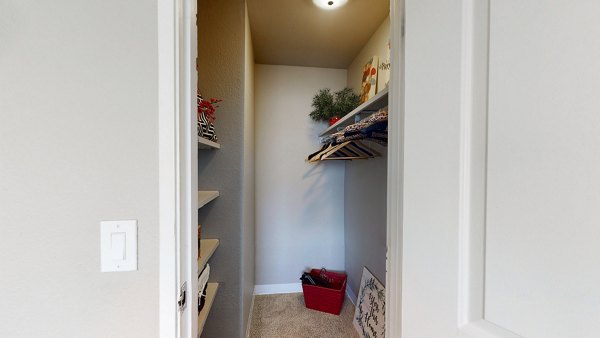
[
  {"x": 207, "y": 248},
  {"x": 205, "y": 196},
  {"x": 211, "y": 292}
]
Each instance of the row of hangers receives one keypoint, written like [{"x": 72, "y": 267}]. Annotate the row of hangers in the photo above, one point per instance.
[{"x": 349, "y": 150}]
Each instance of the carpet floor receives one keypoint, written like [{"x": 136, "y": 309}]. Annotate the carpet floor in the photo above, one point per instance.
[{"x": 285, "y": 316}]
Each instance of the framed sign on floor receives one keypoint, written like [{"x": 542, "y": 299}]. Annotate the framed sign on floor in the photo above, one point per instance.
[{"x": 369, "y": 316}]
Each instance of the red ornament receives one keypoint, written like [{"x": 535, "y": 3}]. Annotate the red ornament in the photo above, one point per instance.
[
  {"x": 208, "y": 107},
  {"x": 333, "y": 120}
]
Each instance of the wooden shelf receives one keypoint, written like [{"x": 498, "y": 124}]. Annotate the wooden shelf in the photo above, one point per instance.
[
  {"x": 207, "y": 248},
  {"x": 206, "y": 196},
  {"x": 207, "y": 144},
  {"x": 211, "y": 292},
  {"x": 375, "y": 103}
]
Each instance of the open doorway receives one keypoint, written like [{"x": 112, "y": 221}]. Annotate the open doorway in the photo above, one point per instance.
[{"x": 234, "y": 167}]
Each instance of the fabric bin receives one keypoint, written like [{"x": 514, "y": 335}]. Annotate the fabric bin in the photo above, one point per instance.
[{"x": 324, "y": 299}]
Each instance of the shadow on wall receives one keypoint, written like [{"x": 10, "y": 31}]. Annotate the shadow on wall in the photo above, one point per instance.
[
  {"x": 324, "y": 182},
  {"x": 319, "y": 179}
]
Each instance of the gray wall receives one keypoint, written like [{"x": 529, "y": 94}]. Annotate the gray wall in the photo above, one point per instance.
[
  {"x": 299, "y": 205},
  {"x": 221, "y": 46},
  {"x": 79, "y": 145},
  {"x": 365, "y": 218}
]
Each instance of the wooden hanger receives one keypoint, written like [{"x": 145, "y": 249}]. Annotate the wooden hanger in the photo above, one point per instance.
[
  {"x": 365, "y": 149},
  {"x": 346, "y": 151},
  {"x": 349, "y": 150},
  {"x": 311, "y": 157},
  {"x": 315, "y": 157},
  {"x": 334, "y": 149}
]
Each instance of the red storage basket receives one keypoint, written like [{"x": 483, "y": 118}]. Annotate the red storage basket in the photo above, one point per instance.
[{"x": 323, "y": 299}]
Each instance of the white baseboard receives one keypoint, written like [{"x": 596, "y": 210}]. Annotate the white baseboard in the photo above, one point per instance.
[
  {"x": 271, "y": 289},
  {"x": 350, "y": 294}
]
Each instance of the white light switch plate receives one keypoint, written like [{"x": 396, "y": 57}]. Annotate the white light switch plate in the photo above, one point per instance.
[{"x": 118, "y": 245}]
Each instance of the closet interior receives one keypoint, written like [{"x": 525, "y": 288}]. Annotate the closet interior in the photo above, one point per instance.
[{"x": 278, "y": 192}]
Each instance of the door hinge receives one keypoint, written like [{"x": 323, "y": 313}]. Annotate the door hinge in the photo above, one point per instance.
[{"x": 181, "y": 302}]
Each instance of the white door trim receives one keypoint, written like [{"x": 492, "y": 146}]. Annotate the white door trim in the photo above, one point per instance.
[
  {"x": 168, "y": 171},
  {"x": 393, "y": 311},
  {"x": 473, "y": 122},
  {"x": 473, "y": 172},
  {"x": 177, "y": 161},
  {"x": 187, "y": 164}
]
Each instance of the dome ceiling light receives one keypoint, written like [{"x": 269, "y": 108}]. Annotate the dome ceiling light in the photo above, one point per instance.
[{"x": 330, "y": 4}]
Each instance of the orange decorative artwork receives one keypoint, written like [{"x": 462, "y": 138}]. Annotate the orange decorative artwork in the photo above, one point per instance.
[{"x": 369, "y": 79}]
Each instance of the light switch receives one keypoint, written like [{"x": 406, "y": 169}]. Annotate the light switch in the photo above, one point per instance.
[
  {"x": 117, "y": 249},
  {"x": 118, "y": 245}
]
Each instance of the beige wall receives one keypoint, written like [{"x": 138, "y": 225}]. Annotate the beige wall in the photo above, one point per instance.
[
  {"x": 377, "y": 45},
  {"x": 79, "y": 145}
]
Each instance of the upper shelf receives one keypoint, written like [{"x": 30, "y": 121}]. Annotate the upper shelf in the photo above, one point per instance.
[
  {"x": 206, "y": 196},
  {"x": 207, "y": 144},
  {"x": 375, "y": 103}
]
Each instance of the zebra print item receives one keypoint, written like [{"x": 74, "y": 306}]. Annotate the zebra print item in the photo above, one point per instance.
[{"x": 206, "y": 129}]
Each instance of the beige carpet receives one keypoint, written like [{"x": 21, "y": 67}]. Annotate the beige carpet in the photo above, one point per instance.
[{"x": 285, "y": 316}]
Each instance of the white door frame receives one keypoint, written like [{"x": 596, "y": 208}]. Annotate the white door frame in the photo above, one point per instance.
[
  {"x": 393, "y": 311},
  {"x": 178, "y": 156},
  {"x": 168, "y": 168},
  {"x": 177, "y": 81}
]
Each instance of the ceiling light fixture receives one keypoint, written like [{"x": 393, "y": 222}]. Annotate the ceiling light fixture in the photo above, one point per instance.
[{"x": 330, "y": 4}]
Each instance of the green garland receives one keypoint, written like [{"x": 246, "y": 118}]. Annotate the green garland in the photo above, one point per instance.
[
  {"x": 346, "y": 101},
  {"x": 327, "y": 105}
]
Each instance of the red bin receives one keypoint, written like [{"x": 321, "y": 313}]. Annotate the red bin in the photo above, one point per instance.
[{"x": 324, "y": 299}]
